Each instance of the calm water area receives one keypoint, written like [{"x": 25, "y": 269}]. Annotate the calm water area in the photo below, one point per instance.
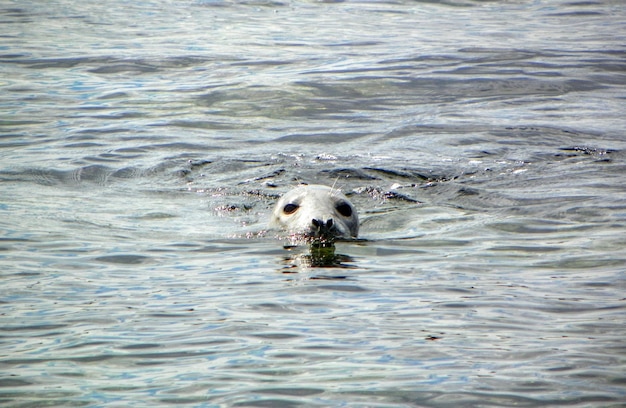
[{"x": 143, "y": 145}]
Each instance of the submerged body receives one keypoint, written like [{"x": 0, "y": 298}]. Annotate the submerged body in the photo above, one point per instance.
[{"x": 316, "y": 212}]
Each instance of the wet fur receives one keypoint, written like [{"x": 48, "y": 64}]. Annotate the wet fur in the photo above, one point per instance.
[{"x": 320, "y": 212}]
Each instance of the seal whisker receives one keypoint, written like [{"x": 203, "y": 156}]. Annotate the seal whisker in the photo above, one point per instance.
[{"x": 332, "y": 188}]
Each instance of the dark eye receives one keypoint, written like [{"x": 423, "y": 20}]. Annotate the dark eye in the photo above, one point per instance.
[
  {"x": 290, "y": 208},
  {"x": 344, "y": 209}
]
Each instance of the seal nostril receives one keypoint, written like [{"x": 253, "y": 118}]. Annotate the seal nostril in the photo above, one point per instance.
[{"x": 321, "y": 224}]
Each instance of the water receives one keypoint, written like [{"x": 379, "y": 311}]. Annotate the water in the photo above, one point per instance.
[{"x": 143, "y": 144}]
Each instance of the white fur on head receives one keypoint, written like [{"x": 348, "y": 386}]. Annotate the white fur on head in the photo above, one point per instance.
[{"x": 316, "y": 211}]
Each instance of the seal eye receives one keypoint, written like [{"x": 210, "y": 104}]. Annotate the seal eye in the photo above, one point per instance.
[
  {"x": 290, "y": 208},
  {"x": 344, "y": 209}
]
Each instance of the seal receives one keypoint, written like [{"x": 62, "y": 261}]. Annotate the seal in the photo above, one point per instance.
[{"x": 316, "y": 212}]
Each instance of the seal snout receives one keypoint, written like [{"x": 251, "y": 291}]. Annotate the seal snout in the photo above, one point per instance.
[
  {"x": 321, "y": 224},
  {"x": 323, "y": 229}
]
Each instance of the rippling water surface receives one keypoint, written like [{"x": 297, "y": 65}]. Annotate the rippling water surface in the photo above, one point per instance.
[{"x": 142, "y": 145}]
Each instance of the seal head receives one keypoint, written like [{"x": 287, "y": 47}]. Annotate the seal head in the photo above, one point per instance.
[{"x": 316, "y": 212}]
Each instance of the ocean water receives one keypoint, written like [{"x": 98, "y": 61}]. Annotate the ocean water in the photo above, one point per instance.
[{"x": 143, "y": 144}]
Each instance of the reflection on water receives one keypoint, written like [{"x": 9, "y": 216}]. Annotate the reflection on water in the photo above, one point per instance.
[
  {"x": 143, "y": 145},
  {"x": 315, "y": 255}
]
